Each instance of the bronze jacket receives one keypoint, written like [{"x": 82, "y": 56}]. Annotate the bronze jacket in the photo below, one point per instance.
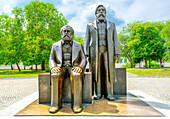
[
  {"x": 78, "y": 56},
  {"x": 91, "y": 48}
]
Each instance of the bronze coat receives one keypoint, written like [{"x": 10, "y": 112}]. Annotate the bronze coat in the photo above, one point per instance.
[
  {"x": 78, "y": 56},
  {"x": 91, "y": 48}
]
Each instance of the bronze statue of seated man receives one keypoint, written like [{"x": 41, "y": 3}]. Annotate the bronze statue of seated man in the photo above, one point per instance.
[{"x": 67, "y": 59}]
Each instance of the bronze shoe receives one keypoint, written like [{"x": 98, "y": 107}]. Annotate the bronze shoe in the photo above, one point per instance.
[
  {"x": 97, "y": 97},
  {"x": 110, "y": 97},
  {"x": 77, "y": 109},
  {"x": 53, "y": 109}
]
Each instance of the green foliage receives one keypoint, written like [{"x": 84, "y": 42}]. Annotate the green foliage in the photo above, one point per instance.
[
  {"x": 79, "y": 39},
  {"x": 142, "y": 41},
  {"x": 12, "y": 37},
  {"x": 125, "y": 43},
  {"x": 127, "y": 65},
  {"x": 28, "y": 37},
  {"x": 165, "y": 33},
  {"x": 43, "y": 29},
  {"x": 146, "y": 41},
  {"x": 152, "y": 65}
]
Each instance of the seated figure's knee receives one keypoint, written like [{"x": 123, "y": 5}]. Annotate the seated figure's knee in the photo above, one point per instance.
[
  {"x": 76, "y": 74},
  {"x": 55, "y": 74},
  {"x": 56, "y": 71},
  {"x": 58, "y": 74}
]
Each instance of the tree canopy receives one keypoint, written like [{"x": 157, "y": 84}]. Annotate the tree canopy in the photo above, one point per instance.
[
  {"x": 143, "y": 42},
  {"x": 28, "y": 36}
]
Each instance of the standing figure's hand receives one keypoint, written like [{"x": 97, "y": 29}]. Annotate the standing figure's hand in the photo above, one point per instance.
[
  {"x": 87, "y": 58},
  {"x": 77, "y": 69},
  {"x": 117, "y": 57}
]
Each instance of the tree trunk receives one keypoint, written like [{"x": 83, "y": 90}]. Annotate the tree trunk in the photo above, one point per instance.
[
  {"x": 43, "y": 65},
  {"x": 12, "y": 67},
  {"x": 146, "y": 64},
  {"x": 149, "y": 64},
  {"x": 24, "y": 67},
  {"x": 160, "y": 61},
  {"x": 140, "y": 64},
  {"x": 131, "y": 63},
  {"x": 36, "y": 67},
  {"x": 18, "y": 67}
]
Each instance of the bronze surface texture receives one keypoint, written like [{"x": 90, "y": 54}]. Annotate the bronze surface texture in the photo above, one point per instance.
[{"x": 122, "y": 106}]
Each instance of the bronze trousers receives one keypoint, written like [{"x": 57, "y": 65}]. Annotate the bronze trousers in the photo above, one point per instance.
[
  {"x": 76, "y": 88},
  {"x": 103, "y": 86}
]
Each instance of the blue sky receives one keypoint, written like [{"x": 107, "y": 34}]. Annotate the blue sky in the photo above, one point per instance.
[{"x": 121, "y": 12}]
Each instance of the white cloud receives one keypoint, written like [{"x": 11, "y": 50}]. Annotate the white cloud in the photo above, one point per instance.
[
  {"x": 80, "y": 21},
  {"x": 135, "y": 10},
  {"x": 68, "y": 1},
  {"x": 82, "y": 13},
  {"x": 7, "y": 9},
  {"x": 146, "y": 10},
  {"x": 7, "y": 5},
  {"x": 79, "y": 12}
]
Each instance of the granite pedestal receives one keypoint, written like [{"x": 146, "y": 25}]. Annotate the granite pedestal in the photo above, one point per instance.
[{"x": 45, "y": 90}]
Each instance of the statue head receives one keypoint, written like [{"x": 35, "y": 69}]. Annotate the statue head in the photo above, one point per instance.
[
  {"x": 100, "y": 12},
  {"x": 67, "y": 33}
]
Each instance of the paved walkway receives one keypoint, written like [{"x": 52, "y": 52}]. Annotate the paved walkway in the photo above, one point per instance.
[
  {"x": 12, "y": 90},
  {"x": 154, "y": 86}
]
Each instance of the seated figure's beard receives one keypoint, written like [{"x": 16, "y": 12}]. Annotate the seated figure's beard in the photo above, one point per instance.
[
  {"x": 67, "y": 37},
  {"x": 101, "y": 16}
]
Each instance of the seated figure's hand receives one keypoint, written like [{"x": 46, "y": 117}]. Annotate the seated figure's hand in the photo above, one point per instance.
[
  {"x": 77, "y": 69},
  {"x": 55, "y": 70}
]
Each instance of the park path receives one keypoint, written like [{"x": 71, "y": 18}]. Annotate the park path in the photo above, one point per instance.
[
  {"x": 158, "y": 87},
  {"x": 14, "y": 89}
]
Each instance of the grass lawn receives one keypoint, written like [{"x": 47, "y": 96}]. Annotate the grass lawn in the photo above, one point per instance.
[
  {"x": 7, "y": 73},
  {"x": 149, "y": 72}
]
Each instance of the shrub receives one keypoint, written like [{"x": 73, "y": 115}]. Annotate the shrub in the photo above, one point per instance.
[
  {"x": 127, "y": 65},
  {"x": 152, "y": 65}
]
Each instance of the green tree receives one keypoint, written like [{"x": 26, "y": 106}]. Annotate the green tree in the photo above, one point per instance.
[
  {"x": 79, "y": 39},
  {"x": 15, "y": 46},
  {"x": 126, "y": 49},
  {"x": 165, "y": 33},
  {"x": 147, "y": 42},
  {"x": 12, "y": 36},
  {"x": 43, "y": 28},
  {"x": 4, "y": 33}
]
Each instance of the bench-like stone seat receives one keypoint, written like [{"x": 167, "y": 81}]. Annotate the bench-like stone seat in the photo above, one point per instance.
[{"x": 45, "y": 88}]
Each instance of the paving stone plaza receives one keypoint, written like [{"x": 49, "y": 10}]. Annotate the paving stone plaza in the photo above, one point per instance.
[{"x": 16, "y": 89}]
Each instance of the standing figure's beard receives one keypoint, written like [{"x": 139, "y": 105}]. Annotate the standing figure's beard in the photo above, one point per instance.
[{"x": 100, "y": 16}]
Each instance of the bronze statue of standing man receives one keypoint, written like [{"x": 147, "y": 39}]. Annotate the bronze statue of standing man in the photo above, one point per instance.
[{"x": 101, "y": 48}]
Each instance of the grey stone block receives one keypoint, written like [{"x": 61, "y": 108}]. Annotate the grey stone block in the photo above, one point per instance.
[
  {"x": 119, "y": 87},
  {"x": 45, "y": 89}
]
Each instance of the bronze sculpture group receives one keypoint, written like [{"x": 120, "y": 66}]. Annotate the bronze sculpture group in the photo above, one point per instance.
[{"x": 67, "y": 59}]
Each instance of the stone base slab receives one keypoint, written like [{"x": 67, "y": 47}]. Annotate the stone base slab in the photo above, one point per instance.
[
  {"x": 129, "y": 106},
  {"x": 45, "y": 89},
  {"x": 119, "y": 87}
]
